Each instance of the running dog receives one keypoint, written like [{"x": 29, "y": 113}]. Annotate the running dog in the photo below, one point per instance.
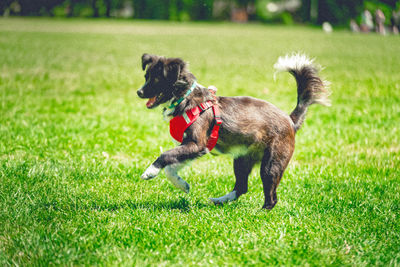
[{"x": 250, "y": 129}]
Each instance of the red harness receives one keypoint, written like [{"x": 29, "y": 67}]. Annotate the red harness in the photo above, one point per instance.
[{"x": 179, "y": 124}]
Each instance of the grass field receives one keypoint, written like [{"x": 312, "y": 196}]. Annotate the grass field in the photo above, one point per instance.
[{"x": 75, "y": 138}]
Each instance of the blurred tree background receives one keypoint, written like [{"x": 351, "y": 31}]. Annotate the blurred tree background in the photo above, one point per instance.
[{"x": 337, "y": 12}]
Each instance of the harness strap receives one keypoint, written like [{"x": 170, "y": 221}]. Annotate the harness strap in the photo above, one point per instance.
[
  {"x": 212, "y": 140},
  {"x": 179, "y": 124}
]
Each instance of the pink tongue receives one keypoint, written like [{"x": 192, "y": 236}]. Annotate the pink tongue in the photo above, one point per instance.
[{"x": 151, "y": 102}]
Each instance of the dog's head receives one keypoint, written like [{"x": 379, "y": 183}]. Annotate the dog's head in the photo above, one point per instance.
[{"x": 162, "y": 75}]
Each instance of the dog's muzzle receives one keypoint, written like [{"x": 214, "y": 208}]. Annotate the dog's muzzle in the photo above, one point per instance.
[{"x": 140, "y": 92}]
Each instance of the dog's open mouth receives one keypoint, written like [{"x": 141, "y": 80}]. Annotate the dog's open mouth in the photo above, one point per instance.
[
  {"x": 151, "y": 102},
  {"x": 154, "y": 101}
]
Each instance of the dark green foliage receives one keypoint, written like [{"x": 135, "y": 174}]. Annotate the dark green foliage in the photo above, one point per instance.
[
  {"x": 151, "y": 9},
  {"x": 339, "y": 12},
  {"x": 38, "y": 7},
  {"x": 333, "y": 11},
  {"x": 201, "y": 9},
  {"x": 173, "y": 9}
]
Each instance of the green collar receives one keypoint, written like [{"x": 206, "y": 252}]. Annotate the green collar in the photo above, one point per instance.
[{"x": 177, "y": 102}]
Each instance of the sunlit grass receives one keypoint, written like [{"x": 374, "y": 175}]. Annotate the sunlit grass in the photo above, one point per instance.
[{"x": 74, "y": 139}]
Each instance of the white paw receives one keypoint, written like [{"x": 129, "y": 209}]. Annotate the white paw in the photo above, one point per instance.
[
  {"x": 221, "y": 200},
  {"x": 150, "y": 173}
]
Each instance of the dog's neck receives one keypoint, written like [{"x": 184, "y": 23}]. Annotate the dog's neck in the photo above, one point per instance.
[
  {"x": 185, "y": 89},
  {"x": 199, "y": 94},
  {"x": 177, "y": 101}
]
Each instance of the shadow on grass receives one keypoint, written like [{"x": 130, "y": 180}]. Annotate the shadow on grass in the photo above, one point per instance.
[{"x": 180, "y": 204}]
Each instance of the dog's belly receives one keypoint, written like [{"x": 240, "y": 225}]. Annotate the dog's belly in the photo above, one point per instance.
[{"x": 235, "y": 151}]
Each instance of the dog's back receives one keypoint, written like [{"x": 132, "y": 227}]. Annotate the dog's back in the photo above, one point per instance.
[{"x": 251, "y": 122}]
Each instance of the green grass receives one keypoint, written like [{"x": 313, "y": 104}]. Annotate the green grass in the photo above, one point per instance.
[{"x": 75, "y": 138}]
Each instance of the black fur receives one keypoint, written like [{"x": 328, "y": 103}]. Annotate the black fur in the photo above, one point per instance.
[{"x": 252, "y": 130}]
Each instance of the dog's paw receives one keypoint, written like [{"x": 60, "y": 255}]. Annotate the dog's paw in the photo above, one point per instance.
[
  {"x": 227, "y": 198},
  {"x": 178, "y": 182},
  {"x": 215, "y": 201},
  {"x": 150, "y": 173},
  {"x": 186, "y": 188}
]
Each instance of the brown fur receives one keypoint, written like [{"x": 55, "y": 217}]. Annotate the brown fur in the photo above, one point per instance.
[{"x": 258, "y": 130}]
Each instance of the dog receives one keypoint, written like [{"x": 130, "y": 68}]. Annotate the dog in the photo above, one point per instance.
[{"x": 251, "y": 130}]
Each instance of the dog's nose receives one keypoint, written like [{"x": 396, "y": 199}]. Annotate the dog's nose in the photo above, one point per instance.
[{"x": 140, "y": 93}]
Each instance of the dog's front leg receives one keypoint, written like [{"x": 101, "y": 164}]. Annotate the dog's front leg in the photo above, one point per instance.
[
  {"x": 171, "y": 171},
  {"x": 172, "y": 160}
]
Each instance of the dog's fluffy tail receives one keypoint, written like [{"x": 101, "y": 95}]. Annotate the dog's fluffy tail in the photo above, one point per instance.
[{"x": 310, "y": 88}]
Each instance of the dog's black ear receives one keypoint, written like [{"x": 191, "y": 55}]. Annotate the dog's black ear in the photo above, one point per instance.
[
  {"x": 148, "y": 59},
  {"x": 173, "y": 68}
]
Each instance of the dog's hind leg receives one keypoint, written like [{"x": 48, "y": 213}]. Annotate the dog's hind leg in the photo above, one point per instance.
[
  {"x": 171, "y": 171},
  {"x": 273, "y": 165},
  {"x": 242, "y": 167}
]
